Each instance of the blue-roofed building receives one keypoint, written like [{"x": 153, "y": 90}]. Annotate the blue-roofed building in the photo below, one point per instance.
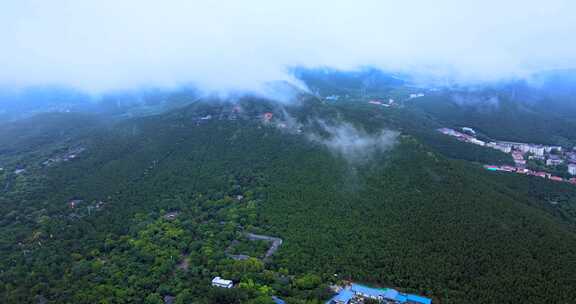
[
  {"x": 277, "y": 300},
  {"x": 401, "y": 298},
  {"x": 343, "y": 297},
  {"x": 418, "y": 299},
  {"x": 368, "y": 292},
  {"x": 384, "y": 295},
  {"x": 391, "y": 294}
]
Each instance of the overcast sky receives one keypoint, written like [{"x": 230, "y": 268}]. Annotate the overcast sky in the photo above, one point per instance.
[{"x": 109, "y": 44}]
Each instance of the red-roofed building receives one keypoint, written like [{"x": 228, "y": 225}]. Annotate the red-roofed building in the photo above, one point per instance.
[
  {"x": 541, "y": 174},
  {"x": 508, "y": 168},
  {"x": 268, "y": 116},
  {"x": 523, "y": 171},
  {"x": 75, "y": 202}
]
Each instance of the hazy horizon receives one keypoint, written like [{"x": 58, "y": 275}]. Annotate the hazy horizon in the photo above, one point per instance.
[{"x": 107, "y": 45}]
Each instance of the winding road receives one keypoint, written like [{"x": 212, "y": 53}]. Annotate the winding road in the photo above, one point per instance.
[{"x": 276, "y": 242}]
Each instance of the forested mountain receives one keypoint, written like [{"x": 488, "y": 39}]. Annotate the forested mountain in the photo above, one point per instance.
[
  {"x": 540, "y": 108},
  {"x": 135, "y": 210}
]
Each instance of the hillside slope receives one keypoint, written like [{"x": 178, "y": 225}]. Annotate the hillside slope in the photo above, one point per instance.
[{"x": 410, "y": 218}]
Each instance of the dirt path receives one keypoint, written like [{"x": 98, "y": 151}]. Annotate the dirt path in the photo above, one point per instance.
[
  {"x": 276, "y": 242},
  {"x": 184, "y": 264},
  {"x": 8, "y": 183}
]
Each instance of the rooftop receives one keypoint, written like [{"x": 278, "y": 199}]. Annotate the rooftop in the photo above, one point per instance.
[
  {"x": 219, "y": 280},
  {"x": 344, "y": 296},
  {"x": 375, "y": 292},
  {"x": 387, "y": 293}
]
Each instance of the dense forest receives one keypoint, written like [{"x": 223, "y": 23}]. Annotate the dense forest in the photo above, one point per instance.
[{"x": 150, "y": 209}]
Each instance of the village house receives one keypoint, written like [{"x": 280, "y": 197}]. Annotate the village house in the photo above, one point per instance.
[
  {"x": 508, "y": 168},
  {"x": 491, "y": 168},
  {"x": 542, "y": 174},
  {"x": 268, "y": 116},
  {"x": 219, "y": 282},
  {"x": 523, "y": 171},
  {"x": 169, "y": 299},
  {"x": 171, "y": 215},
  {"x": 19, "y": 171},
  {"x": 572, "y": 169},
  {"x": 536, "y": 150},
  {"x": 74, "y": 203},
  {"x": 537, "y": 157},
  {"x": 556, "y": 178},
  {"x": 477, "y": 142},
  {"x": 447, "y": 131},
  {"x": 518, "y": 158},
  {"x": 497, "y": 146},
  {"x": 553, "y": 148},
  {"x": 554, "y": 160},
  {"x": 524, "y": 148},
  {"x": 469, "y": 130}
]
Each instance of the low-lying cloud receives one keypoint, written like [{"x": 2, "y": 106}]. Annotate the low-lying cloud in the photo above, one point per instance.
[
  {"x": 104, "y": 44},
  {"x": 354, "y": 144}
]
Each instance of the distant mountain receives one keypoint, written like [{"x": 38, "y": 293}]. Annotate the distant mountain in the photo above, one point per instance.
[
  {"x": 560, "y": 82},
  {"x": 540, "y": 108},
  {"x": 327, "y": 81},
  {"x": 28, "y": 101},
  {"x": 25, "y": 102}
]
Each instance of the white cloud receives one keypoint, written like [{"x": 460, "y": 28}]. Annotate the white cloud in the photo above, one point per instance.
[
  {"x": 353, "y": 144},
  {"x": 105, "y": 44}
]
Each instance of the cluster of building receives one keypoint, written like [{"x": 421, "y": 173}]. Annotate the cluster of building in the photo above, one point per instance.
[
  {"x": 356, "y": 294},
  {"x": 267, "y": 118},
  {"x": 530, "y": 172},
  {"x": 550, "y": 155},
  {"x": 67, "y": 156},
  {"x": 353, "y": 294},
  {"x": 234, "y": 113},
  {"x": 463, "y": 136},
  {"x": 79, "y": 204}
]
